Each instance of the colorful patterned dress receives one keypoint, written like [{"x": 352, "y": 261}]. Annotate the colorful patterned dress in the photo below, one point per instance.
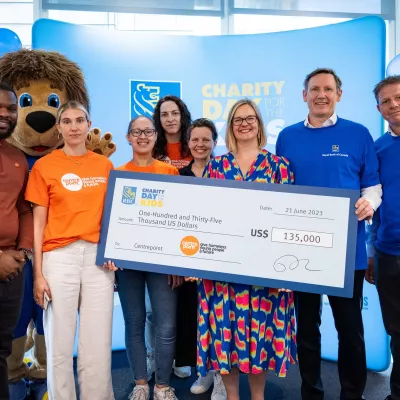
[{"x": 248, "y": 327}]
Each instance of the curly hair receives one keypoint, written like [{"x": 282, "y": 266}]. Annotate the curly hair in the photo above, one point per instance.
[
  {"x": 160, "y": 149},
  {"x": 23, "y": 66}
]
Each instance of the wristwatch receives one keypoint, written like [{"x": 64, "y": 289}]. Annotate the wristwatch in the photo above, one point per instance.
[{"x": 27, "y": 252}]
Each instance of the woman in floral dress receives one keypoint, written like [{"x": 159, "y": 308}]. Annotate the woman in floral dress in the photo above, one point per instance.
[{"x": 245, "y": 328}]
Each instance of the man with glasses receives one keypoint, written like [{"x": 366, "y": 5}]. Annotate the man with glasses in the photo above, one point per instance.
[{"x": 325, "y": 150}]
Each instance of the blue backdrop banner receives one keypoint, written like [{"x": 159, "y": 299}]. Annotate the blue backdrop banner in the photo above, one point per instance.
[
  {"x": 9, "y": 41},
  {"x": 127, "y": 72}
]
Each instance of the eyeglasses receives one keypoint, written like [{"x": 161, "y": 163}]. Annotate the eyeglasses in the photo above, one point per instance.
[
  {"x": 251, "y": 119},
  {"x": 138, "y": 132}
]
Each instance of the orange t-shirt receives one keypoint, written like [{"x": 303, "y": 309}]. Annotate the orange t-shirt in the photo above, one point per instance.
[
  {"x": 174, "y": 156},
  {"x": 73, "y": 194},
  {"x": 158, "y": 167}
]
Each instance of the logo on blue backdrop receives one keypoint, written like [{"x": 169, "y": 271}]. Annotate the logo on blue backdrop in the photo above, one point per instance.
[
  {"x": 128, "y": 195},
  {"x": 335, "y": 148},
  {"x": 144, "y": 95}
]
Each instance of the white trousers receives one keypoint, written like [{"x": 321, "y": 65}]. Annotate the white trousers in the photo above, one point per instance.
[{"x": 77, "y": 285}]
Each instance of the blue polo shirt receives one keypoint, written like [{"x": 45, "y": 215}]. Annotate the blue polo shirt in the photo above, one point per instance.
[
  {"x": 387, "y": 221},
  {"x": 340, "y": 156}
]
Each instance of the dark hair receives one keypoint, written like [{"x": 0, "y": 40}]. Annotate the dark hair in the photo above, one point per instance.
[
  {"x": 203, "y": 123},
  {"x": 160, "y": 149},
  {"x": 136, "y": 118},
  {"x": 7, "y": 88},
  {"x": 323, "y": 71},
  {"x": 390, "y": 80}
]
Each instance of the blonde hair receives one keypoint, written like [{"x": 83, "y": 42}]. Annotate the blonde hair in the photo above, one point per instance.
[
  {"x": 230, "y": 140},
  {"x": 74, "y": 105}
]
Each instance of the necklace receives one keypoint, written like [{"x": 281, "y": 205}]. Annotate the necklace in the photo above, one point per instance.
[{"x": 79, "y": 164}]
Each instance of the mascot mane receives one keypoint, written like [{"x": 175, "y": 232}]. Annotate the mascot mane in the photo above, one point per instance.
[{"x": 20, "y": 68}]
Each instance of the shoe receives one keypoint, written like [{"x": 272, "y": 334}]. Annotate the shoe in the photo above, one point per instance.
[
  {"x": 219, "y": 392},
  {"x": 38, "y": 390},
  {"x": 165, "y": 393},
  {"x": 18, "y": 390},
  {"x": 140, "y": 392},
  {"x": 182, "y": 372},
  {"x": 150, "y": 367},
  {"x": 203, "y": 383}
]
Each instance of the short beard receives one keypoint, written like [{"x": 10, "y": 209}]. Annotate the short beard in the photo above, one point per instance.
[{"x": 7, "y": 134}]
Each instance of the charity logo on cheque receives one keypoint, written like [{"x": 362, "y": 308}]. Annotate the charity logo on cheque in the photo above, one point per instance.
[
  {"x": 128, "y": 195},
  {"x": 190, "y": 245},
  {"x": 146, "y": 197},
  {"x": 151, "y": 197}
]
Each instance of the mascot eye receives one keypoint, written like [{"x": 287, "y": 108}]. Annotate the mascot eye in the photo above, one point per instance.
[
  {"x": 53, "y": 101},
  {"x": 25, "y": 100}
]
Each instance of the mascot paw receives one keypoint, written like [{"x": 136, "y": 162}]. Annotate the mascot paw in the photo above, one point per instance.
[
  {"x": 18, "y": 390},
  {"x": 38, "y": 390},
  {"x": 101, "y": 145}
]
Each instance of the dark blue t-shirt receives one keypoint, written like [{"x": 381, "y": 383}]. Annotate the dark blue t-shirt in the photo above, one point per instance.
[
  {"x": 388, "y": 237},
  {"x": 339, "y": 156},
  {"x": 31, "y": 160}
]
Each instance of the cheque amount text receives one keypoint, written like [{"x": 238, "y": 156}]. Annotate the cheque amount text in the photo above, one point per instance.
[{"x": 305, "y": 238}]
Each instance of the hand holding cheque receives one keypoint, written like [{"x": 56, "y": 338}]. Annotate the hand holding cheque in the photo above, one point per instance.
[{"x": 282, "y": 236}]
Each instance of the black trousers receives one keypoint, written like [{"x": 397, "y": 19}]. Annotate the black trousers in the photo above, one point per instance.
[
  {"x": 186, "y": 326},
  {"x": 11, "y": 296},
  {"x": 387, "y": 270},
  {"x": 352, "y": 363}
]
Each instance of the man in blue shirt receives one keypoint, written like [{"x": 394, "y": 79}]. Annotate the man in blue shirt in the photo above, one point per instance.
[
  {"x": 325, "y": 150},
  {"x": 384, "y": 234}
]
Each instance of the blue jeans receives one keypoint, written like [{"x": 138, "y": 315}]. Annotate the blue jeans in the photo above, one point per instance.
[
  {"x": 149, "y": 334},
  {"x": 131, "y": 289}
]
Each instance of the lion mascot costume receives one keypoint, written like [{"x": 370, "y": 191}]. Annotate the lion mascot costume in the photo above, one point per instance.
[{"x": 43, "y": 81}]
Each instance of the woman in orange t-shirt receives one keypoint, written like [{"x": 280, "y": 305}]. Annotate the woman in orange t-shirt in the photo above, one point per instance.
[
  {"x": 172, "y": 120},
  {"x": 67, "y": 188},
  {"x": 131, "y": 286}
]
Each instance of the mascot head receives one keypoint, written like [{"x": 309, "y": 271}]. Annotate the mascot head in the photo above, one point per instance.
[{"x": 43, "y": 80}]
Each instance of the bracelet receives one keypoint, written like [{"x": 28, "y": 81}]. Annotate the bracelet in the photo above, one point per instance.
[{"x": 28, "y": 253}]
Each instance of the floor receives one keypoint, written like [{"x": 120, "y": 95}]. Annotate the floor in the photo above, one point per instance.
[{"x": 277, "y": 388}]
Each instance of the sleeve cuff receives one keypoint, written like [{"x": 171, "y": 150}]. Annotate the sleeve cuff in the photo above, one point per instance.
[
  {"x": 25, "y": 244},
  {"x": 38, "y": 202},
  {"x": 370, "y": 250}
]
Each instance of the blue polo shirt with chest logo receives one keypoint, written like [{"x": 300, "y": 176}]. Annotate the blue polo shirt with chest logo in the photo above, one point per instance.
[{"x": 340, "y": 156}]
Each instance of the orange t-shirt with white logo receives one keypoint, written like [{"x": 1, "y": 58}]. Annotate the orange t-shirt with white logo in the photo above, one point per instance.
[
  {"x": 158, "y": 167},
  {"x": 174, "y": 156},
  {"x": 74, "y": 195}
]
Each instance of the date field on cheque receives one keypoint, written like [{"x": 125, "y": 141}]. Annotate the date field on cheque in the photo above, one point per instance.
[{"x": 303, "y": 238}]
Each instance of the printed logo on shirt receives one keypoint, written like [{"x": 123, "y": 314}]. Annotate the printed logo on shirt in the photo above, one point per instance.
[
  {"x": 144, "y": 95},
  {"x": 128, "y": 195},
  {"x": 72, "y": 182},
  {"x": 335, "y": 152}
]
